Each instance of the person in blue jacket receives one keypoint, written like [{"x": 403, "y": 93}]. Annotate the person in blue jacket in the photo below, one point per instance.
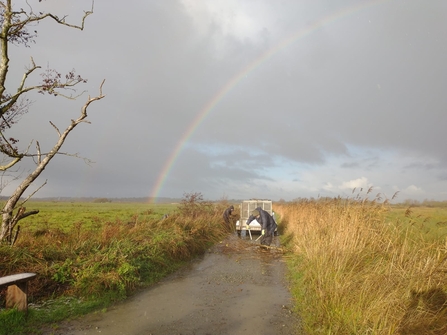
[{"x": 268, "y": 224}]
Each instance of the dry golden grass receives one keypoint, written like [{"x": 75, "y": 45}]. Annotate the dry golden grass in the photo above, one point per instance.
[{"x": 355, "y": 272}]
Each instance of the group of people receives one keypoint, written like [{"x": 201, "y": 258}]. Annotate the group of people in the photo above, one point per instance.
[{"x": 267, "y": 222}]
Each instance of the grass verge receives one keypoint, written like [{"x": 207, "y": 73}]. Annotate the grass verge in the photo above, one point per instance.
[{"x": 88, "y": 267}]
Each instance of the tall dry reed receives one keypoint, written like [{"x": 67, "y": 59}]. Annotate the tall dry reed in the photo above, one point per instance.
[{"x": 354, "y": 272}]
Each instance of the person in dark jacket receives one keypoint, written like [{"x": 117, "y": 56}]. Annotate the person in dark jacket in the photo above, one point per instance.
[
  {"x": 268, "y": 224},
  {"x": 227, "y": 215}
]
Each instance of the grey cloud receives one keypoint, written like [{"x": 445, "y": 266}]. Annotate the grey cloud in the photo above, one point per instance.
[{"x": 373, "y": 80}]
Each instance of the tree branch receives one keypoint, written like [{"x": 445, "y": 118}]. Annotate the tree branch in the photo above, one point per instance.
[
  {"x": 32, "y": 194},
  {"x": 57, "y": 129},
  {"x": 24, "y": 215},
  {"x": 10, "y": 164},
  {"x": 36, "y": 18},
  {"x": 39, "y": 155},
  {"x": 9, "y": 150}
]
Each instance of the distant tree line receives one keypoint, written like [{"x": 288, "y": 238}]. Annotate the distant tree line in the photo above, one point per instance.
[
  {"x": 101, "y": 200},
  {"x": 425, "y": 203}
]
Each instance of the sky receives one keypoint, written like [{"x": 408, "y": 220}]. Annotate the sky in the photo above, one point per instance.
[{"x": 241, "y": 99}]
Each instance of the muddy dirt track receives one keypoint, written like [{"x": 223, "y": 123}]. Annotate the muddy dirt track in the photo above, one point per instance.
[{"x": 235, "y": 288}]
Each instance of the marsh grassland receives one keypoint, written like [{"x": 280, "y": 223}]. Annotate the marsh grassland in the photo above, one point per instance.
[
  {"x": 362, "y": 266},
  {"x": 356, "y": 266}
]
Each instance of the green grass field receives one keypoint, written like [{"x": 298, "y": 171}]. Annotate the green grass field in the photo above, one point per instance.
[
  {"x": 63, "y": 215},
  {"x": 431, "y": 215},
  {"x": 430, "y": 222}
]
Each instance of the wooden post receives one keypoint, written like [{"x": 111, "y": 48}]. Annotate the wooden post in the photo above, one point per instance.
[
  {"x": 17, "y": 291},
  {"x": 17, "y": 296}
]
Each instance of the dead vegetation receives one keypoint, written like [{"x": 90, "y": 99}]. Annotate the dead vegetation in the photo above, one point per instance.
[{"x": 356, "y": 272}]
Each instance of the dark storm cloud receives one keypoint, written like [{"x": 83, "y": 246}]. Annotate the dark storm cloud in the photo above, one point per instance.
[{"x": 359, "y": 101}]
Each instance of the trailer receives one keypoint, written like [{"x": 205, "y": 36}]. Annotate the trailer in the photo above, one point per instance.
[{"x": 248, "y": 206}]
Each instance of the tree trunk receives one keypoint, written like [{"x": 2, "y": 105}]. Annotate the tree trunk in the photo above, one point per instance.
[{"x": 8, "y": 219}]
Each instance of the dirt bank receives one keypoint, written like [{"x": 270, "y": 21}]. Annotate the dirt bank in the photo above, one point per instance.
[{"x": 235, "y": 288}]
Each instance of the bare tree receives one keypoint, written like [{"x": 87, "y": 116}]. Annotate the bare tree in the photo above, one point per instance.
[{"x": 16, "y": 28}]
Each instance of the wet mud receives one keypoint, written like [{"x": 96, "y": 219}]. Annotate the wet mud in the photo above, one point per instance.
[{"x": 235, "y": 288}]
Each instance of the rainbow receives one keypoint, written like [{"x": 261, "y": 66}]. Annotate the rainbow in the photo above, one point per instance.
[{"x": 233, "y": 82}]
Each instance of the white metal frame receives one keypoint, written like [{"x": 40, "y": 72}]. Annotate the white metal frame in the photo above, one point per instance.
[{"x": 248, "y": 206}]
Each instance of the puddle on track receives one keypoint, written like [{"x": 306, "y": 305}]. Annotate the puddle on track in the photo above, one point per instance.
[{"x": 235, "y": 288}]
